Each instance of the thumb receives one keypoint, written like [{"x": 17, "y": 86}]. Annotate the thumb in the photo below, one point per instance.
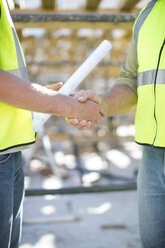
[
  {"x": 89, "y": 95},
  {"x": 82, "y": 98},
  {"x": 83, "y": 95},
  {"x": 55, "y": 86}
]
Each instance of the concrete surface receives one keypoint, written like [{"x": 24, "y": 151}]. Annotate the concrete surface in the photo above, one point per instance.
[{"x": 106, "y": 220}]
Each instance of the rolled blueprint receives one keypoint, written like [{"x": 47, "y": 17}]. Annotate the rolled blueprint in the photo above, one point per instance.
[{"x": 78, "y": 76}]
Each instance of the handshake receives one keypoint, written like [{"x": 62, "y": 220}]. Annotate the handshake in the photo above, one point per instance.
[
  {"x": 89, "y": 108},
  {"x": 84, "y": 108}
]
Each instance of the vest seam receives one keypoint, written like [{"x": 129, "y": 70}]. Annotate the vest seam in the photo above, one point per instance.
[
  {"x": 157, "y": 69},
  {"x": 146, "y": 144},
  {"x": 15, "y": 146}
]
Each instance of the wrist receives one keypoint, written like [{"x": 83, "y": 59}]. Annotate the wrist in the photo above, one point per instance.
[{"x": 103, "y": 103}]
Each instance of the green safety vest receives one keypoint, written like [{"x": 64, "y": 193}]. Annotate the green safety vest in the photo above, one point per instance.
[
  {"x": 15, "y": 124},
  {"x": 149, "y": 36}
]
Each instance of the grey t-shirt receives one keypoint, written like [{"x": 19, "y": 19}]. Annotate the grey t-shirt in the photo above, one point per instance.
[{"x": 128, "y": 73}]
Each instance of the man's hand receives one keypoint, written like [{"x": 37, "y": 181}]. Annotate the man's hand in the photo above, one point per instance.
[
  {"x": 19, "y": 93},
  {"x": 83, "y": 96},
  {"x": 86, "y": 110}
]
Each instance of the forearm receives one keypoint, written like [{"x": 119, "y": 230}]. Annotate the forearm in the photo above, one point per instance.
[
  {"x": 122, "y": 97},
  {"x": 17, "y": 92},
  {"x": 118, "y": 100}
]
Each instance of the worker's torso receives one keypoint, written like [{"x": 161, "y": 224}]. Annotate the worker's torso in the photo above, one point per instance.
[
  {"x": 149, "y": 35},
  {"x": 15, "y": 124}
]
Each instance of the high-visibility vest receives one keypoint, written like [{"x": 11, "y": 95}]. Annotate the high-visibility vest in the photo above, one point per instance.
[
  {"x": 15, "y": 124},
  {"x": 149, "y": 36}
]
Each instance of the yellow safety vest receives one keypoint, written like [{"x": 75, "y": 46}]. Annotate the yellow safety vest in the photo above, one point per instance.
[
  {"x": 149, "y": 35},
  {"x": 15, "y": 124}
]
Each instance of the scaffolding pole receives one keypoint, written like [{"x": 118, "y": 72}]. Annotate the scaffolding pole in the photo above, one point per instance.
[
  {"x": 82, "y": 189},
  {"x": 94, "y": 18}
]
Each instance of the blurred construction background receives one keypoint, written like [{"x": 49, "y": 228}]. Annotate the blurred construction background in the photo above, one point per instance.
[{"x": 66, "y": 157}]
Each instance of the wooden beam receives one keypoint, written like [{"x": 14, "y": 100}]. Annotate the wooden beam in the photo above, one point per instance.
[
  {"x": 78, "y": 25},
  {"x": 127, "y": 5},
  {"x": 72, "y": 63},
  {"x": 48, "y": 4},
  {"x": 92, "y": 4},
  {"x": 66, "y": 11}
]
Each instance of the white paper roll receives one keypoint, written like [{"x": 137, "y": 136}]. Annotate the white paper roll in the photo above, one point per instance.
[{"x": 78, "y": 76}]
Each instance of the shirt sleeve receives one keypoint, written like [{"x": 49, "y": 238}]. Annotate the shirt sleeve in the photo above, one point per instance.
[{"x": 128, "y": 73}]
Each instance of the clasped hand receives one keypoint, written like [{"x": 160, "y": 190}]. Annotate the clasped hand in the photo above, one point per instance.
[
  {"x": 86, "y": 98},
  {"x": 87, "y": 111}
]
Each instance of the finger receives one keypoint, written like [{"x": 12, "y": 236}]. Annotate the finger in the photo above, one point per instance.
[
  {"x": 83, "y": 96},
  {"x": 82, "y": 124},
  {"x": 89, "y": 125},
  {"x": 55, "y": 86},
  {"x": 72, "y": 121},
  {"x": 91, "y": 96}
]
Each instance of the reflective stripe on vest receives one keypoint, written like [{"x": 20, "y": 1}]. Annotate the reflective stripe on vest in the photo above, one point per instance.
[
  {"x": 148, "y": 77},
  {"x": 149, "y": 35},
  {"x": 139, "y": 22},
  {"x": 15, "y": 124}
]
